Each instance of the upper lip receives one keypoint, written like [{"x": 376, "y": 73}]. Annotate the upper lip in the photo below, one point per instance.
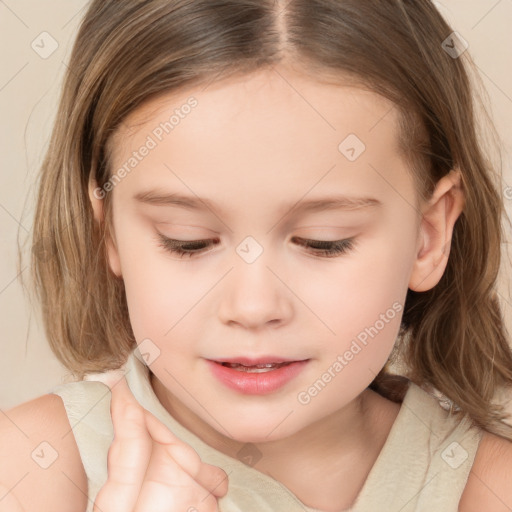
[{"x": 252, "y": 361}]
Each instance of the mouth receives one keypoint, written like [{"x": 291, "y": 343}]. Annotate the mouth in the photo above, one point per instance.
[
  {"x": 256, "y": 376},
  {"x": 256, "y": 368},
  {"x": 256, "y": 364}
]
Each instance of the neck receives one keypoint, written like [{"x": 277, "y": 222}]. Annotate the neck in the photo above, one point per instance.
[{"x": 339, "y": 448}]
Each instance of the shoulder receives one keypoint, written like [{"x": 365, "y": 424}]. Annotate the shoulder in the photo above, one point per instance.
[
  {"x": 40, "y": 465},
  {"x": 489, "y": 483}
]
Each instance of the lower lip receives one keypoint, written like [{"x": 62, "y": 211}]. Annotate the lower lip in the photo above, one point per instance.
[{"x": 256, "y": 383}]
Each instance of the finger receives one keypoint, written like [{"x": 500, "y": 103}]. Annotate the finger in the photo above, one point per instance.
[
  {"x": 8, "y": 502},
  {"x": 168, "y": 487},
  {"x": 129, "y": 454},
  {"x": 212, "y": 478}
]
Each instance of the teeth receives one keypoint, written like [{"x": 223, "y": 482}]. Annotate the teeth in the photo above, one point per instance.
[
  {"x": 255, "y": 369},
  {"x": 258, "y": 368}
]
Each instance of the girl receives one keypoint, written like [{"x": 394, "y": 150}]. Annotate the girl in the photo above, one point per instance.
[{"x": 266, "y": 244}]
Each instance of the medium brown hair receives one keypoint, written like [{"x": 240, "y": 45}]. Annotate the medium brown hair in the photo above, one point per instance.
[{"x": 452, "y": 337}]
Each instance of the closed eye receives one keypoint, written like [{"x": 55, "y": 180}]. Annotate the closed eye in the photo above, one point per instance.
[
  {"x": 189, "y": 248},
  {"x": 327, "y": 248}
]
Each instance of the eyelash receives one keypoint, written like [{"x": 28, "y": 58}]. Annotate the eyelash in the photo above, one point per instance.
[{"x": 326, "y": 249}]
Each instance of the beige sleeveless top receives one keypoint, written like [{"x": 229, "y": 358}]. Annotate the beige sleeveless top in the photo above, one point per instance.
[{"x": 423, "y": 465}]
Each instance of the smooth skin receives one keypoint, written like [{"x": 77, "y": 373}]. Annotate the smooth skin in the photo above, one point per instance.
[
  {"x": 252, "y": 147},
  {"x": 255, "y": 146},
  {"x": 149, "y": 468},
  {"x": 63, "y": 486}
]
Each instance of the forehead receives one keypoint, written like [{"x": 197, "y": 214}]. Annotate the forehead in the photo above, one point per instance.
[
  {"x": 273, "y": 129},
  {"x": 264, "y": 96}
]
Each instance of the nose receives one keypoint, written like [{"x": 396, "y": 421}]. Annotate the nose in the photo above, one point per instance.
[{"x": 254, "y": 296}]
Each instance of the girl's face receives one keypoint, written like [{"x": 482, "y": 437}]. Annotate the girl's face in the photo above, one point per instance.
[{"x": 256, "y": 167}]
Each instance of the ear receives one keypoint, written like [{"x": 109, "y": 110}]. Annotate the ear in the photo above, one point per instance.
[
  {"x": 96, "y": 195},
  {"x": 435, "y": 233}
]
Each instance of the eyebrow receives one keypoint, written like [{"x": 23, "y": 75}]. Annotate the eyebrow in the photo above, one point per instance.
[{"x": 158, "y": 198}]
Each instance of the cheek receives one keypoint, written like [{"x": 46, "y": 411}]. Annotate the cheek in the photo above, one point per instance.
[
  {"x": 157, "y": 293},
  {"x": 358, "y": 296},
  {"x": 355, "y": 292}
]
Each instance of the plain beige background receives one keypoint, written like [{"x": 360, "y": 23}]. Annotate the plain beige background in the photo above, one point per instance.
[{"x": 36, "y": 40}]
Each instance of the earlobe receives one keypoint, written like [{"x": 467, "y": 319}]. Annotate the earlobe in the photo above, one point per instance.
[
  {"x": 113, "y": 257},
  {"x": 96, "y": 195},
  {"x": 436, "y": 229}
]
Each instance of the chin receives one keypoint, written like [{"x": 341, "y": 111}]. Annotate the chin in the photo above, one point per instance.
[{"x": 260, "y": 430}]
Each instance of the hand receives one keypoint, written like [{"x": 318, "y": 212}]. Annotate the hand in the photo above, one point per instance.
[
  {"x": 149, "y": 468},
  {"x": 8, "y": 502}
]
